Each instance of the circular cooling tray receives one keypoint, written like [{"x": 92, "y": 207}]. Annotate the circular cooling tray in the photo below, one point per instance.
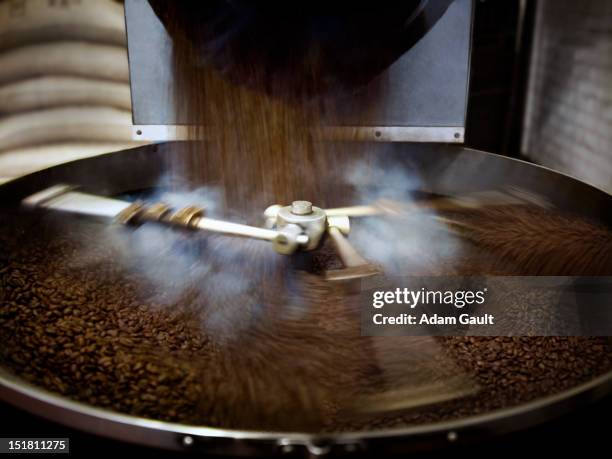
[{"x": 444, "y": 169}]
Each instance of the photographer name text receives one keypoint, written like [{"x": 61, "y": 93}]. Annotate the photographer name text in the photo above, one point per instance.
[{"x": 411, "y": 299}]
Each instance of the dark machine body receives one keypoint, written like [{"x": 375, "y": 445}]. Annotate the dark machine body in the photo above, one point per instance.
[{"x": 339, "y": 45}]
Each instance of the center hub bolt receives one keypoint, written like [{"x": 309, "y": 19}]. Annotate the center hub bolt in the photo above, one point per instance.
[{"x": 301, "y": 207}]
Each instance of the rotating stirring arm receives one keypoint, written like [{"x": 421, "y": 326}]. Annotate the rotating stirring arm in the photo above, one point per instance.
[
  {"x": 300, "y": 226},
  {"x": 64, "y": 198}
]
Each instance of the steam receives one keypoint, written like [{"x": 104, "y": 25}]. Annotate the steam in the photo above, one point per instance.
[
  {"x": 401, "y": 244},
  {"x": 219, "y": 275},
  {"x": 225, "y": 275}
]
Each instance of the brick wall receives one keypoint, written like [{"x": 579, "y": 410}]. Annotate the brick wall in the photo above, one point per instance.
[{"x": 568, "y": 120}]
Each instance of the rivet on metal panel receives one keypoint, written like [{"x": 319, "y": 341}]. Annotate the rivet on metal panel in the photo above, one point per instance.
[{"x": 187, "y": 440}]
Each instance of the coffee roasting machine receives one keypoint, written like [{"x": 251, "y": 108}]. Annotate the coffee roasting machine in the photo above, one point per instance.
[{"x": 416, "y": 99}]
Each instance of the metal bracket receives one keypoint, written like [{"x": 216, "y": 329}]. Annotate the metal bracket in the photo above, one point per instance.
[{"x": 449, "y": 134}]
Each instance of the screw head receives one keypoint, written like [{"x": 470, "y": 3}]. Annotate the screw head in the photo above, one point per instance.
[
  {"x": 301, "y": 207},
  {"x": 187, "y": 440}
]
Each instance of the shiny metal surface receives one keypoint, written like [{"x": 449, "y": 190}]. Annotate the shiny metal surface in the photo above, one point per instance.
[
  {"x": 309, "y": 220},
  {"x": 448, "y": 134}
]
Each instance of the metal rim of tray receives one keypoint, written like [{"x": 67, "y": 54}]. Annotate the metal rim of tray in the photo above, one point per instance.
[{"x": 170, "y": 435}]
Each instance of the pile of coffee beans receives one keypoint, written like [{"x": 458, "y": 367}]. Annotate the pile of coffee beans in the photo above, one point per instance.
[
  {"x": 76, "y": 321},
  {"x": 508, "y": 371}
]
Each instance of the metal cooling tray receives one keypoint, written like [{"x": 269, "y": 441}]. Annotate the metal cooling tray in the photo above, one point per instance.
[{"x": 444, "y": 169}]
